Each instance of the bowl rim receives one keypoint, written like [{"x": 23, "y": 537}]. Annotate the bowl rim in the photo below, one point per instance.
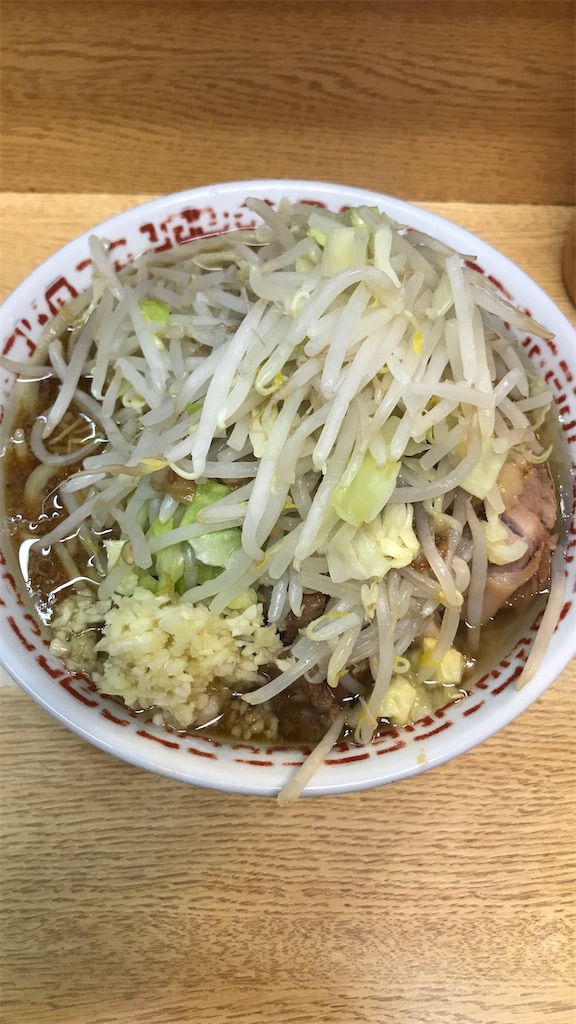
[{"x": 325, "y": 782}]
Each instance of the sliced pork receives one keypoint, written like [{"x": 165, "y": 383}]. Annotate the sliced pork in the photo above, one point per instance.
[
  {"x": 532, "y": 517},
  {"x": 313, "y": 606}
]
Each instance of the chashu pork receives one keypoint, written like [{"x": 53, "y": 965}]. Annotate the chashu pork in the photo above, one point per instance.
[{"x": 530, "y": 515}]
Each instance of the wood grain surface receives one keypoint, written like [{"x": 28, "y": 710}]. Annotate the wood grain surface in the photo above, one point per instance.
[
  {"x": 429, "y": 99},
  {"x": 448, "y": 898},
  {"x": 444, "y": 899}
]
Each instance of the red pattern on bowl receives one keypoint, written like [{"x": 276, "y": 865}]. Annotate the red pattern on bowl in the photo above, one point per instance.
[{"x": 73, "y": 698}]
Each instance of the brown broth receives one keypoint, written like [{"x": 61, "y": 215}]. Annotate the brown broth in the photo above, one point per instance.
[{"x": 45, "y": 573}]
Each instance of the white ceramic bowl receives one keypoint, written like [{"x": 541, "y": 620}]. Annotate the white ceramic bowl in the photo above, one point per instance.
[{"x": 261, "y": 769}]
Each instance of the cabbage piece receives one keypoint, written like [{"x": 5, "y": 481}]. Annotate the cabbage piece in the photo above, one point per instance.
[
  {"x": 357, "y": 220},
  {"x": 113, "y": 552},
  {"x": 486, "y": 471},
  {"x": 158, "y": 528},
  {"x": 318, "y": 235},
  {"x": 169, "y": 568},
  {"x": 398, "y": 701},
  {"x": 207, "y": 572},
  {"x": 148, "y": 582},
  {"x": 448, "y": 671},
  {"x": 382, "y": 252},
  {"x": 344, "y": 247},
  {"x": 168, "y": 562},
  {"x": 388, "y": 542},
  {"x": 365, "y": 496},
  {"x": 319, "y": 225},
  {"x": 155, "y": 310},
  {"x": 243, "y": 600},
  {"x": 206, "y": 494},
  {"x": 212, "y": 549},
  {"x": 216, "y": 548}
]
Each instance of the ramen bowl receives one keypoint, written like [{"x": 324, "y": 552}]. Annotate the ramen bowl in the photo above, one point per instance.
[{"x": 258, "y": 768}]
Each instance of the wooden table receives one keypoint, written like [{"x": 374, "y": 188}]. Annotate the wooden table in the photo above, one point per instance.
[{"x": 444, "y": 899}]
